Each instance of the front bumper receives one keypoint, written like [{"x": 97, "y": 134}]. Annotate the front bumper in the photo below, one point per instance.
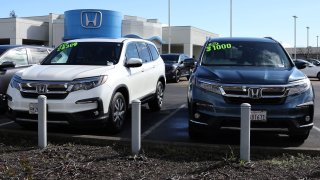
[
  {"x": 94, "y": 117},
  {"x": 210, "y": 110}
]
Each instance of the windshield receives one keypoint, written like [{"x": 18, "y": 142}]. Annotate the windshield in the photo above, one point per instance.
[
  {"x": 239, "y": 53},
  {"x": 85, "y": 53},
  {"x": 170, "y": 58}
]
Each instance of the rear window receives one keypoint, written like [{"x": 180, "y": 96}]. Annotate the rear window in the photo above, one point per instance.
[
  {"x": 85, "y": 53},
  {"x": 242, "y": 53},
  {"x": 2, "y": 51},
  {"x": 170, "y": 58}
]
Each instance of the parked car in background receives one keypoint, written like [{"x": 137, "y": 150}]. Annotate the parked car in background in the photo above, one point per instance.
[
  {"x": 14, "y": 58},
  {"x": 175, "y": 66},
  {"x": 90, "y": 82},
  {"x": 310, "y": 70},
  {"x": 258, "y": 71},
  {"x": 314, "y": 61}
]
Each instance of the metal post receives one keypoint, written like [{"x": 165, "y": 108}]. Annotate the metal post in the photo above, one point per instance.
[
  {"x": 230, "y": 18},
  {"x": 308, "y": 36},
  {"x": 245, "y": 132},
  {"x": 42, "y": 121},
  {"x": 169, "y": 28},
  {"x": 136, "y": 127},
  {"x": 317, "y": 48},
  {"x": 295, "y": 38}
]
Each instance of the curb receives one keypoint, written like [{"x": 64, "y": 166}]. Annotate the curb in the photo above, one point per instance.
[{"x": 107, "y": 140}]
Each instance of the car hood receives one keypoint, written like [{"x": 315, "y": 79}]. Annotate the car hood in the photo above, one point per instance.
[
  {"x": 249, "y": 75},
  {"x": 62, "y": 72}
]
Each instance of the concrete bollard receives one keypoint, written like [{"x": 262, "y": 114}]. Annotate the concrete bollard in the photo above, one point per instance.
[
  {"x": 136, "y": 127},
  {"x": 42, "y": 121},
  {"x": 245, "y": 132}
]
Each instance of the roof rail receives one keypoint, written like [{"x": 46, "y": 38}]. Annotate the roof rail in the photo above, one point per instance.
[{"x": 270, "y": 38}]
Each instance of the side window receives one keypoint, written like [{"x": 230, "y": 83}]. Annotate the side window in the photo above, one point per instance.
[
  {"x": 154, "y": 52},
  {"x": 132, "y": 51},
  {"x": 17, "y": 55},
  {"x": 38, "y": 54},
  {"x": 143, "y": 52}
]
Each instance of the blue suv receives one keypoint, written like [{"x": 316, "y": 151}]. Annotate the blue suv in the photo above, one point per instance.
[{"x": 258, "y": 71}]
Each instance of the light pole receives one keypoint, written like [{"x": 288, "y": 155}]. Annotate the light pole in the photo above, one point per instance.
[
  {"x": 169, "y": 29},
  {"x": 308, "y": 36},
  {"x": 308, "y": 51},
  {"x": 317, "y": 48},
  {"x": 295, "y": 37},
  {"x": 230, "y": 18}
]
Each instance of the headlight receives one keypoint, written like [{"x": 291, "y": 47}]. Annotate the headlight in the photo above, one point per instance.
[
  {"x": 86, "y": 83},
  {"x": 16, "y": 82},
  {"x": 299, "y": 87},
  {"x": 209, "y": 86}
]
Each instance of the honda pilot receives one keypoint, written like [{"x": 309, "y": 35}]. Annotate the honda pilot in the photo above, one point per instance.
[
  {"x": 90, "y": 82},
  {"x": 258, "y": 71}
]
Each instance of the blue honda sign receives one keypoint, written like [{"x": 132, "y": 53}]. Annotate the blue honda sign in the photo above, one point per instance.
[{"x": 92, "y": 23}]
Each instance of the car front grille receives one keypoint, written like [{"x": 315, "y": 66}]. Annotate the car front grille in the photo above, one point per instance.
[
  {"x": 254, "y": 94},
  {"x": 52, "y": 90}
]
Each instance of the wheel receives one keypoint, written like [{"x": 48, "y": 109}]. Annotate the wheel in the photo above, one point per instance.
[
  {"x": 299, "y": 136},
  {"x": 318, "y": 75},
  {"x": 117, "y": 115},
  {"x": 177, "y": 76},
  {"x": 156, "y": 103}
]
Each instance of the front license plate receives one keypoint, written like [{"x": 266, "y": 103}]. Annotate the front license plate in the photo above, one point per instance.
[
  {"x": 258, "y": 116},
  {"x": 33, "y": 108}
]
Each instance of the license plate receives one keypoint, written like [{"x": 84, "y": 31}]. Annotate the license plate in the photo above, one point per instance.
[
  {"x": 33, "y": 108},
  {"x": 258, "y": 116}
]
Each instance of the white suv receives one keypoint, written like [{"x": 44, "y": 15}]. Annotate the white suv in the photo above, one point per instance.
[{"x": 90, "y": 82}]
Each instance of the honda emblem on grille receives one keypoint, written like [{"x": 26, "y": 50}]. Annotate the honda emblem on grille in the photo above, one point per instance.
[
  {"x": 41, "y": 88},
  {"x": 255, "y": 93}
]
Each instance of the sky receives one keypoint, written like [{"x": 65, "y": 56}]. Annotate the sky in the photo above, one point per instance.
[{"x": 251, "y": 18}]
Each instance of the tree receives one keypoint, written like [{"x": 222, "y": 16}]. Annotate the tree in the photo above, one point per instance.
[{"x": 12, "y": 14}]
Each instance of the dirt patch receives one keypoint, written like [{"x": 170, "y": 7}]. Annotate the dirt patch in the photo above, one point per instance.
[{"x": 23, "y": 160}]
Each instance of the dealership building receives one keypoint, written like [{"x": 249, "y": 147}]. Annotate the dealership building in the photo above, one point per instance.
[{"x": 53, "y": 29}]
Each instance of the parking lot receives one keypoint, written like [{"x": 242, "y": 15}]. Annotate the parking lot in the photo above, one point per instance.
[{"x": 171, "y": 125}]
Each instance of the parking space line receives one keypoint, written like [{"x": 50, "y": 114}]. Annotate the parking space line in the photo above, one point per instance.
[
  {"x": 3, "y": 124},
  {"x": 316, "y": 128},
  {"x": 146, "y": 133}
]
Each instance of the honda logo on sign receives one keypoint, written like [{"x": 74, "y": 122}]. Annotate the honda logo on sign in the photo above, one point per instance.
[
  {"x": 255, "y": 93},
  {"x": 41, "y": 88},
  {"x": 91, "y": 19}
]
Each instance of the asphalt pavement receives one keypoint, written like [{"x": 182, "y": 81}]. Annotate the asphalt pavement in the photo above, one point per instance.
[{"x": 171, "y": 125}]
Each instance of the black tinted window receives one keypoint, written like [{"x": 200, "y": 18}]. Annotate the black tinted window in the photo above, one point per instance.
[
  {"x": 143, "y": 52},
  {"x": 154, "y": 52},
  {"x": 85, "y": 53},
  {"x": 132, "y": 51},
  {"x": 241, "y": 53},
  {"x": 170, "y": 58}
]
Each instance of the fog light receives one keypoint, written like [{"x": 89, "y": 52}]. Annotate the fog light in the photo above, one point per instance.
[
  {"x": 197, "y": 115},
  {"x": 307, "y": 118},
  {"x": 96, "y": 113}
]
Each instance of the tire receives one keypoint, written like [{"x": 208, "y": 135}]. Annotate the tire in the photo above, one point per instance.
[
  {"x": 318, "y": 75},
  {"x": 156, "y": 103},
  {"x": 118, "y": 111},
  {"x": 177, "y": 76},
  {"x": 299, "y": 136}
]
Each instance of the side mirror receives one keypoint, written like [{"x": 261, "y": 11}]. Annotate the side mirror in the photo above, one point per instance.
[
  {"x": 134, "y": 62},
  {"x": 300, "y": 65},
  {"x": 7, "y": 64},
  {"x": 190, "y": 62}
]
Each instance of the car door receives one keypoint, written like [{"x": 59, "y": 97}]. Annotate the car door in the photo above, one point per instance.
[
  {"x": 136, "y": 75},
  {"x": 148, "y": 67},
  {"x": 311, "y": 70},
  {"x": 20, "y": 58}
]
